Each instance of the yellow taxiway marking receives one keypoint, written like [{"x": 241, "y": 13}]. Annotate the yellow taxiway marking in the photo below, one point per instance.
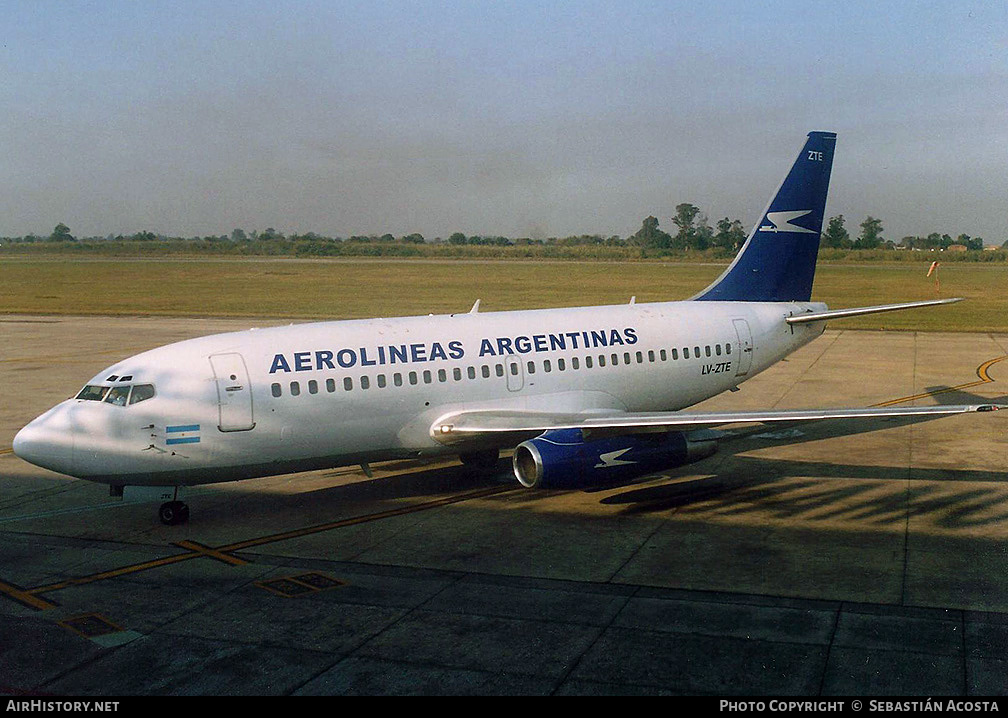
[
  {"x": 211, "y": 552},
  {"x": 167, "y": 561},
  {"x": 982, "y": 369},
  {"x": 25, "y": 597},
  {"x": 222, "y": 553},
  {"x": 981, "y": 372},
  {"x": 308, "y": 530},
  {"x": 6, "y": 451}
]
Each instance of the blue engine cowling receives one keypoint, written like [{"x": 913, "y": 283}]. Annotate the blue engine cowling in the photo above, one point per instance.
[{"x": 562, "y": 459}]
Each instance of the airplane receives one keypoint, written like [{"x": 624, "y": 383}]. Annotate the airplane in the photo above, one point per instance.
[{"x": 585, "y": 396}]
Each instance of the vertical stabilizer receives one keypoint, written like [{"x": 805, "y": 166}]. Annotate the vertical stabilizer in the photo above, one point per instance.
[{"x": 777, "y": 261}]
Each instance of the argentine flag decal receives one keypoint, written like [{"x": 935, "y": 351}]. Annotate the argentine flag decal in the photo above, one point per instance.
[{"x": 185, "y": 434}]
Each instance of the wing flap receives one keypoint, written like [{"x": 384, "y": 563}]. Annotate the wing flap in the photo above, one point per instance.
[{"x": 465, "y": 426}]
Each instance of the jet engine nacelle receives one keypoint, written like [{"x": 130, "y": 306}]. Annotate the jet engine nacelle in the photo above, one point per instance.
[{"x": 562, "y": 459}]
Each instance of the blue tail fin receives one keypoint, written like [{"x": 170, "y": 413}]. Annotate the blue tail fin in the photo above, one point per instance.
[{"x": 777, "y": 261}]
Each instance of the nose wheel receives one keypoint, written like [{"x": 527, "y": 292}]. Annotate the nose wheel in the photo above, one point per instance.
[{"x": 173, "y": 513}]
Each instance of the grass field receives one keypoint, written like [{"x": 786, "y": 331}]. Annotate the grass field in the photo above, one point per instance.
[{"x": 352, "y": 288}]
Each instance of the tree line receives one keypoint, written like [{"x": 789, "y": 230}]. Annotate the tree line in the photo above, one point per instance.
[
  {"x": 836, "y": 236},
  {"x": 693, "y": 232}
]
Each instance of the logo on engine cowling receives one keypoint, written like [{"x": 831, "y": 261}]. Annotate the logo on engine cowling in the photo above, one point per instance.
[{"x": 611, "y": 458}]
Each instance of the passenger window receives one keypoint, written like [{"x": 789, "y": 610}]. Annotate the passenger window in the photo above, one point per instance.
[
  {"x": 276, "y": 390},
  {"x": 365, "y": 382},
  {"x": 397, "y": 379},
  {"x": 426, "y": 376},
  {"x": 93, "y": 393},
  {"x": 413, "y": 378},
  {"x": 588, "y": 362},
  {"x": 650, "y": 356},
  {"x": 142, "y": 392},
  {"x": 601, "y": 359},
  {"x": 560, "y": 365},
  {"x": 727, "y": 348},
  {"x": 330, "y": 385},
  {"x": 531, "y": 367},
  {"x": 664, "y": 355},
  {"x": 696, "y": 352},
  {"x": 471, "y": 371},
  {"x": 312, "y": 386},
  {"x": 575, "y": 364},
  {"x": 499, "y": 369},
  {"x": 381, "y": 381},
  {"x": 615, "y": 359},
  {"x": 707, "y": 349},
  {"x": 457, "y": 373},
  {"x": 347, "y": 384},
  {"x": 295, "y": 388},
  {"x": 441, "y": 375},
  {"x": 547, "y": 367},
  {"x": 626, "y": 357},
  {"x": 514, "y": 368},
  {"x": 685, "y": 352},
  {"x": 717, "y": 349},
  {"x": 486, "y": 372}
]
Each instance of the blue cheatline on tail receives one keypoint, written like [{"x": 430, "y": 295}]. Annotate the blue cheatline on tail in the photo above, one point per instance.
[{"x": 777, "y": 262}]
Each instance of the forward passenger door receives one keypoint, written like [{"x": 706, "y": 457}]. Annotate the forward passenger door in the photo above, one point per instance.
[{"x": 234, "y": 392}]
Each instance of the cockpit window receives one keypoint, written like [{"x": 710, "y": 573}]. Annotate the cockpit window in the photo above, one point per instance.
[
  {"x": 93, "y": 393},
  {"x": 141, "y": 392},
  {"x": 118, "y": 395}
]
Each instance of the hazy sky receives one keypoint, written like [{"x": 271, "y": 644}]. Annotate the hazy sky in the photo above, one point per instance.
[{"x": 521, "y": 119}]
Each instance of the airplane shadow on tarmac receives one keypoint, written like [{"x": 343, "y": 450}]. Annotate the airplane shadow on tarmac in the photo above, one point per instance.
[
  {"x": 738, "y": 484},
  {"x": 743, "y": 484}
]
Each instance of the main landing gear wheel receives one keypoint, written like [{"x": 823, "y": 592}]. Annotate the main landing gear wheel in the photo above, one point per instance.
[
  {"x": 480, "y": 461},
  {"x": 173, "y": 513}
]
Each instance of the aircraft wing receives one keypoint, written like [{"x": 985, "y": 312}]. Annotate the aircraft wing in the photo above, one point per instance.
[{"x": 463, "y": 426}]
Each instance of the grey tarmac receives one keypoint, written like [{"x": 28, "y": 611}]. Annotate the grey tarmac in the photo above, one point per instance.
[{"x": 836, "y": 558}]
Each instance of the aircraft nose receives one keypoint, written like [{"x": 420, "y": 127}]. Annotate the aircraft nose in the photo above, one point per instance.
[{"x": 41, "y": 445}]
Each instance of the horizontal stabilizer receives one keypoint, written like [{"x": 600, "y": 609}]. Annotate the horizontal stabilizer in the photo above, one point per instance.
[
  {"x": 483, "y": 424},
  {"x": 858, "y": 311}
]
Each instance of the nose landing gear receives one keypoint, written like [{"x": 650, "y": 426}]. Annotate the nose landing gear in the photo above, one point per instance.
[{"x": 173, "y": 513}]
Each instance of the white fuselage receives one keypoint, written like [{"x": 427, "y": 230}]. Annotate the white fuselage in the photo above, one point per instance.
[{"x": 308, "y": 396}]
